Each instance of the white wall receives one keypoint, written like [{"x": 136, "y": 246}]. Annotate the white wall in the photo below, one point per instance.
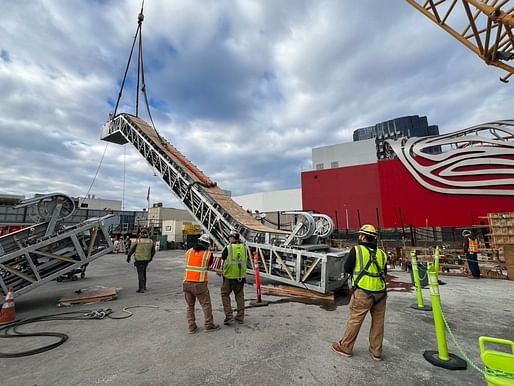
[
  {"x": 98, "y": 203},
  {"x": 345, "y": 154},
  {"x": 172, "y": 229},
  {"x": 279, "y": 200}
]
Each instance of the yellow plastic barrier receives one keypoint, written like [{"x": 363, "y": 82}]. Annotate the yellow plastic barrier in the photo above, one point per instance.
[{"x": 499, "y": 365}]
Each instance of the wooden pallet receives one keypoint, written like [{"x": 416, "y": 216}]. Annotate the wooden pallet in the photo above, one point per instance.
[{"x": 90, "y": 296}]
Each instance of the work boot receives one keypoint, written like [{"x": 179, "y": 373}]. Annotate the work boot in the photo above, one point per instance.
[
  {"x": 193, "y": 330},
  {"x": 337, "y": 348},
  {"x": 140, "y": 291},
  {"x": 228, "y": 321},
  {"x": 240, "y": 321},
  {"x": 375, "y": 358},
  {"x": 212, "y": 328}
]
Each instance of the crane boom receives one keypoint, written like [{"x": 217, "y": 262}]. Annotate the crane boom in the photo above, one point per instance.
[
  {"x": 486, "y": 27},
  {"x": 296, "y": 258}
]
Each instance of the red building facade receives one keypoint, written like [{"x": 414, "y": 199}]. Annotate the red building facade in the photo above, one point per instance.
[{"x": 386, "y": 194}]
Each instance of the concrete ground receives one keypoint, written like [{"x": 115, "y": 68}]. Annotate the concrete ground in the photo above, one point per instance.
[{"x": 286, "y": 343}]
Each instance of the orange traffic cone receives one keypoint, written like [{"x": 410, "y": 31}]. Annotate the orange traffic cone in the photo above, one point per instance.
[{"x": 8, "y": 313}]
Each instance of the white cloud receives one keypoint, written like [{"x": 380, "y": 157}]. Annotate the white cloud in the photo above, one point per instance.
[{"x": 245, "y": 89}]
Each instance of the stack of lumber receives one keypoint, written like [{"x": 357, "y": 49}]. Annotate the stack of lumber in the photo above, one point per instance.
[
  {"x": 89, "y": 296},
  {"x": 502, "y": 229},
  {"x": 508, "y": 256}
]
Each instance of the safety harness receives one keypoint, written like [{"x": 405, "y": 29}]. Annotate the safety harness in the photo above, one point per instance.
[{"x": 364, "y": 271}]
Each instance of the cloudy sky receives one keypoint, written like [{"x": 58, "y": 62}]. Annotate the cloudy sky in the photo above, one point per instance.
[{"x": 245, "y": 89}]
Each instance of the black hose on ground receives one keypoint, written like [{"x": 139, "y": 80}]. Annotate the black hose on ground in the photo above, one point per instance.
[{"x": 10, "y": 330}]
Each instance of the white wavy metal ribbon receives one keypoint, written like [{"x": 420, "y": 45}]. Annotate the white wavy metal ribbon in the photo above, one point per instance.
[{"x": 480, "y": 160}]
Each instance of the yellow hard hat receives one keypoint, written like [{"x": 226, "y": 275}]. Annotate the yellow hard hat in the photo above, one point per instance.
[{"x": 369, "y": 230}]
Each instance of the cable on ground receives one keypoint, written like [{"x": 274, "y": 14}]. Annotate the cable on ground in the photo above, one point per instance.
[{"x": 10, "y": 331}]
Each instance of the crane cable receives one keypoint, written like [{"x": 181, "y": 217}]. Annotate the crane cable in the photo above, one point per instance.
[
  {"x": 96, "y": 173},
  {"x": 139, "y": 26},
  {"x": 138, "y": 37}
]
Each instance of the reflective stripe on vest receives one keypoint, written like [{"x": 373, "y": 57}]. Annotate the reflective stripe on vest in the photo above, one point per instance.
[
  {"x": 473, "y": 246},
  {"x": 196, "y": 266},
  {"x": 372, "y": 278},
  {"x": 235, "y": 263},
  {"x": 143, "y": 250}
]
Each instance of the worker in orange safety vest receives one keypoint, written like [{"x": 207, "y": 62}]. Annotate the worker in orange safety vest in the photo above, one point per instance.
[
  {"x": 198, "y": 260},
  {"x": 471, "y": 250}
]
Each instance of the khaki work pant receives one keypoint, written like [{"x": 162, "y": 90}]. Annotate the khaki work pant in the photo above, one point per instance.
[
  {"x": 200, "y": 291},
  {"x": 228, "y": 286},
  {"x": 360, "y": 304}
]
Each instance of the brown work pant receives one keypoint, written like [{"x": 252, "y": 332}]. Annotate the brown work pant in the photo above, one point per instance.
[
  {"x": 228, "y": 286},
  {"x": 360, "y": 304},
  {"x": 200, "y": 291}
]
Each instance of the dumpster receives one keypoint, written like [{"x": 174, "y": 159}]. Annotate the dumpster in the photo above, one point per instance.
[
  {"x": 191, "y": 241},
  {"x": 161, "y": 242}
]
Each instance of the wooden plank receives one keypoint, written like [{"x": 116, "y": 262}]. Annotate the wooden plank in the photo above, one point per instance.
[
  {"x": 54, "y": 256},
  {"x": 297, "y": 292},
  {"x": 314, "y": 264},
  {"x": 17, "y": 273},
  {"x": 283, "y": 265},
  {"x": 87, "y": 296}
]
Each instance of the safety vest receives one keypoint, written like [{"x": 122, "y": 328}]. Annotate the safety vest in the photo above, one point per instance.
[
  {"x": 143, "y": 250},
  {"x": 235, "y": 263},
  {"x": 472, "y": 246},
  {"x": 196, "y": 265},
  {"x": 366, "y": 275}
]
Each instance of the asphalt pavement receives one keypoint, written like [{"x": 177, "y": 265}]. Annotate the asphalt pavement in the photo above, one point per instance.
[{"x": 285, "y": 343}]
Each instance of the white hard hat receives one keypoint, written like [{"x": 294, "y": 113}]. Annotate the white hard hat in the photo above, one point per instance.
[
  {"x": 204, "y": 239},
  {"x": 234, "y": 234},
  {"x": 466, "y": 233}
]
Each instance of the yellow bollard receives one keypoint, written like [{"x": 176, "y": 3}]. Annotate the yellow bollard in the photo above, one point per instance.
[
  {"x": 441, "y": 357},
  {"x": 436, "y": 260},
  {"x": 415, "y": 274}
]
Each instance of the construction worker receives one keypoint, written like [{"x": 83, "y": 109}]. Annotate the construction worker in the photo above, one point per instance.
[
  {"x": 198, "y": 260},
  {"x": 471, "y": 251},
  {"x": 234, "y": 277},
  {"x": 368, "y": 266},
  {"x": 143, "y": 251}
]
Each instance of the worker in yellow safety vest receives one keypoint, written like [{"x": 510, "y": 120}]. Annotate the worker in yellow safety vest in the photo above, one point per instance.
[
  {"x": 143, "y": 251},
  {"x": 196, "y": 277},
  {"x": 234, "y": 258},
  {"x": 471, "y": 250},
  {"x": 368, "y": 266}
]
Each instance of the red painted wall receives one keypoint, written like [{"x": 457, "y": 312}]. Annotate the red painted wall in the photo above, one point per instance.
[
  {"x": 344, "y": 193},
  {"x": 389, "y": 188},
  {"x": 420, "y": 206}
]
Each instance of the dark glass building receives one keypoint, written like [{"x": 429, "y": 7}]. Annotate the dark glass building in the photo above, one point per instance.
[{"x": 410, "y": 126}]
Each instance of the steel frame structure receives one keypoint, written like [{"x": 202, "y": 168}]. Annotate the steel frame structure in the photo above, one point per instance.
[
  {"x": 314, "y": 266},
  {"x": 30, "y": 258},
  {"x": 486, "y": 29}
]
